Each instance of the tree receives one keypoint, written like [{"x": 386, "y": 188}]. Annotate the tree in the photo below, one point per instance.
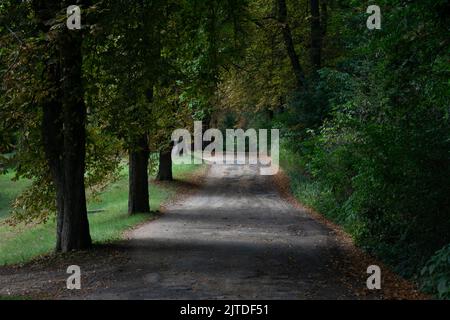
[
  {"x": 316, "y": 35},
  {"x": 289, "y": 43},
  {"x": 123, "y": 88},
  {"x": 64, "y": 129},
  {"x": 138, "y": 196},
  {"x": 165, "y": 166}
]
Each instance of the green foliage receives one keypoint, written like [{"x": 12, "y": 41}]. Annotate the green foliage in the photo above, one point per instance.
[
  {"x": 436, "y": 274},
  {"x": 108, "y": 220},
  {"x": 36, "y": 203},
  {"x": 367, "y": 143},
  {"x": 376, "y": 155},
  {"x": 9, "y": 190}
]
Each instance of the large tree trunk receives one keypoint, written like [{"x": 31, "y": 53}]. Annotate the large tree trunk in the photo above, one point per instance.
[
  {"x": 139, "y": 155},
  {"x": 75, "y": 233},
  {"x": 63, "y": 131},
  {"x": 289, "y": 43},
  {"x": 316, "y": 36},
  {"x": 165, "y": 166},
  {"x": 138, "y": 197}
]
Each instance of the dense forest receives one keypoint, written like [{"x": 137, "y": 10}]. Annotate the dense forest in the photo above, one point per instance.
[{"x": 363, "y": 114}]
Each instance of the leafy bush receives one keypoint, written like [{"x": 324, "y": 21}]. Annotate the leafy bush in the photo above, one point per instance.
[
  {"x": 379, "y": 163},
  {"x": 436, "y": 274}
]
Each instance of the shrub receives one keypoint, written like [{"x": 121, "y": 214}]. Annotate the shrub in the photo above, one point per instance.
[{"x": 436, "y": 274}]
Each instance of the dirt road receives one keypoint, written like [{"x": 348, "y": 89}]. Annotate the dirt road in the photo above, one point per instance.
[{"x": 234, "y": 239}]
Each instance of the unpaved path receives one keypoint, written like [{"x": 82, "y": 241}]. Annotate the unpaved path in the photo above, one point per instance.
[{"x": 234, "y": 239}]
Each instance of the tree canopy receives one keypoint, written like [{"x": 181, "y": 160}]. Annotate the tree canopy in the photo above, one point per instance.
[{"x": 364, "y": 114}]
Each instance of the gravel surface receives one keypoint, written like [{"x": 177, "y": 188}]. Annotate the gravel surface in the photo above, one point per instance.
[
  {"x": 233, "y": 234},
  {"x": 234, "y": 239}
]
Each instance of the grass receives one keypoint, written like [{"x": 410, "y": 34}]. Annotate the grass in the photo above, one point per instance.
[
  {"x": 307, "y": 190},
  {"x": 9, "y": 190},
  {"x": 21, "y": 244}
]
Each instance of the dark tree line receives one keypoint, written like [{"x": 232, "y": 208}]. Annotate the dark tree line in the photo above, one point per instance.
[{"x": 364, "y": 116}]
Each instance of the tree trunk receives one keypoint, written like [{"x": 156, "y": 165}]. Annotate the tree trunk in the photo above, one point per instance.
[
  {"x": 316, "y": 36},
  {"x": 289, "y": 43},
  {"x": 138, "y": 197},
  {"x": 139, "y": 154},
  {"x": 53, "y": 142},
  {"x": 165, "y": 166},
  {"x": 63, "y": 131},
  {"x": 75, "y": 233},
  {"x": 324, "y": 17},
  {"x": 53, "y": 138}
]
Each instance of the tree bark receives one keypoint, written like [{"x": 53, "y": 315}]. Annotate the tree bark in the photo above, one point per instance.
[
  {"x": 165, "y": 166},
  {"x": 138, "y": 197},
  {"x": 316, "y": 36},
  {"x": 139, "y": 155},
  {"x": 289, "y": 43},
  {"x": 324, "y": 17},
  {"x": 63, "y": 130},
  {"x": 75, "y": 233},
  {"x": 53, "y": 142}
]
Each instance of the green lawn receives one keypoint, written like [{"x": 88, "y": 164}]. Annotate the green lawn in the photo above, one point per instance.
[
  {"x": 9, "y": 190},
  {"x": 23, "y": 243}
]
